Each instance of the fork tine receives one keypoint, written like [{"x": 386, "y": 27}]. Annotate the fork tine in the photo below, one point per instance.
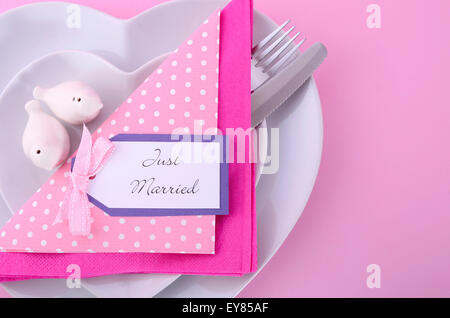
[
  {"x": 265, "y": 53},
  {"x": 268, "y": 38},
  {"x": 283, "y": 61},
  {"x": 269, "y": 59}
]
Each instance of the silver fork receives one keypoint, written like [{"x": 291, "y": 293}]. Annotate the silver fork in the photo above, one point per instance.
[{"x": 273, "y": 53}]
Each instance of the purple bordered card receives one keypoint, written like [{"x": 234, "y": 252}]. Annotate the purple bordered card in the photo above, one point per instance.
[{"x": 163, "y": 175}]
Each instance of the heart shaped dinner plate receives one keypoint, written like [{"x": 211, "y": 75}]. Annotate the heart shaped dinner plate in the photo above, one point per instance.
[{"x": 121, "y": 47}]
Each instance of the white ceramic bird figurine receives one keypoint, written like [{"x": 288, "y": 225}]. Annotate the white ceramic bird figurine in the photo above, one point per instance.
[
  {"x": 45, "y": 141},
  {"x": 73, "y": 101}
]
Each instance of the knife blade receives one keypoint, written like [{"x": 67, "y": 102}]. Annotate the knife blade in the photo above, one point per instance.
[{"x": 276, "y": 90}]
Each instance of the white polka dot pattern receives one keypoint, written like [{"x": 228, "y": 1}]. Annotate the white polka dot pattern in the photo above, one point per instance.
[{"x": 181, "y": 92}]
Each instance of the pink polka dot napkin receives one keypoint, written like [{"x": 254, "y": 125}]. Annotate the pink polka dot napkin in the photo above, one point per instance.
[
  {"x": 228, "y": 243},
  {"x": 182, "y": 91}
]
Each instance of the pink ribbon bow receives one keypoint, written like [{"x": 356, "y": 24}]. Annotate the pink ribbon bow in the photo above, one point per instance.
[{"x": 89, "y": 161}]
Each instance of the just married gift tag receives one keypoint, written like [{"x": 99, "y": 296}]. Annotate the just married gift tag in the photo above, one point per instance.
[
  {"x": 163, "y": 175},
  {"x": 127, "y": 216}
]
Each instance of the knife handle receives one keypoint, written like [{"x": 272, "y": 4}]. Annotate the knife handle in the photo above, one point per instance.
[{"x": 282, "y": 85}]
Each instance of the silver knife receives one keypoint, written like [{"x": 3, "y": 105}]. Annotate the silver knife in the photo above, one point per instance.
[{"x": 276, "y": 90}]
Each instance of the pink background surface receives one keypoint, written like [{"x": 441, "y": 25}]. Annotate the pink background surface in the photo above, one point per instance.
[{"x": 382, "y": 194}]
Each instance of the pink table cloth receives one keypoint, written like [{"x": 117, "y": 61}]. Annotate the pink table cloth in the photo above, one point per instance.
[{"x": 235, "y": 233}]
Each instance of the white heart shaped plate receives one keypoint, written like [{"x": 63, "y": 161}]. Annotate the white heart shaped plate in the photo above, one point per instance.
[{"x": 122, "y": 49}]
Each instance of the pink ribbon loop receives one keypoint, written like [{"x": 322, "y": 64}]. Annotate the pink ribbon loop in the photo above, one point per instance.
[{"x": 89, "y": 161}]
